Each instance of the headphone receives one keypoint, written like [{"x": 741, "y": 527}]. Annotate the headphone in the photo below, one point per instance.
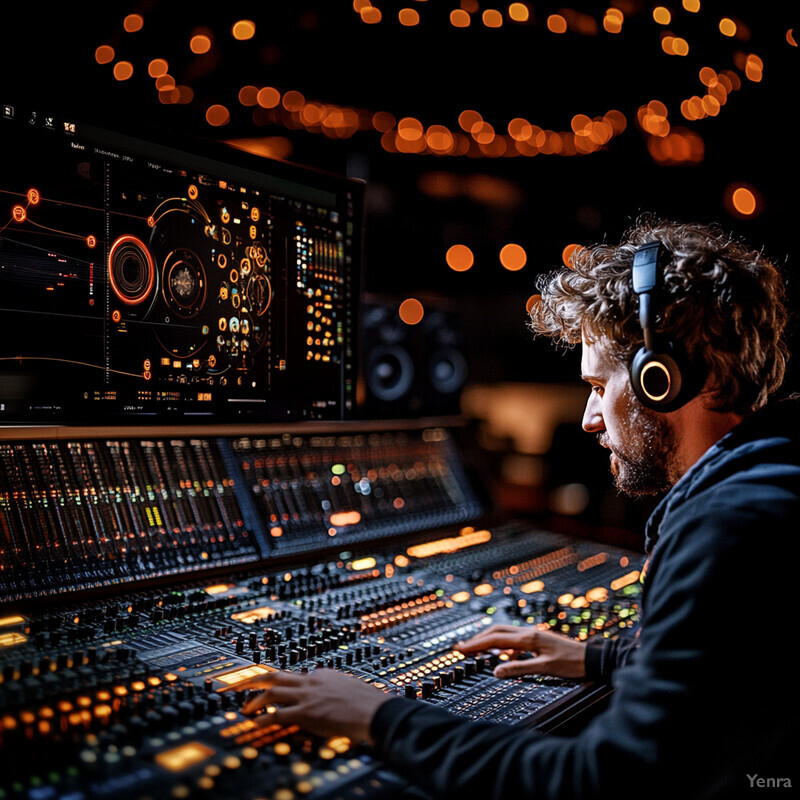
[{"x": 662, "y": 378}]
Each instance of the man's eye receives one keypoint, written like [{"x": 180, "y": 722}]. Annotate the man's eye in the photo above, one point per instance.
[{"x": 597, "y": 389}]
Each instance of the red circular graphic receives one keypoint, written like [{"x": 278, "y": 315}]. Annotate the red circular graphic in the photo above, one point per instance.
[{"x": 131, "y": 270}]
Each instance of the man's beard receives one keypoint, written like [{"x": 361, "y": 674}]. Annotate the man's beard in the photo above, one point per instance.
[{"x": 644, "y": 462}]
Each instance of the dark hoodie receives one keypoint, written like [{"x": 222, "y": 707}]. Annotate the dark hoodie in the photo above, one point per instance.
[{"x": 704, "y": 704}]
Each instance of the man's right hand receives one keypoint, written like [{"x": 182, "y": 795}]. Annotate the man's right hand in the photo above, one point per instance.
[{"x": 553, "y": 653}]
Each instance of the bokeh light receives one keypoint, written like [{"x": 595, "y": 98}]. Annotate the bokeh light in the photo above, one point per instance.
[
  {"x": 460, "y": 18},
  {"x": 123, "y": 70},
  {"x": 411, "y": 311},
  {"x": 742, "y": 200},
  {"x": 519, "y": 12},
  {"x": 157, "y": 67},
  {"x": 408, "y": 17},
  {"x": 217, "y": 115},
  {"x": 133, "y": 23},
  {"x": 244, "y": 29},
  {"x": 104, "y": 54},
  {"x": 460, "y": 258},
  {"x": 513, "y": 257},
  {"x": 200, "y": 43}
]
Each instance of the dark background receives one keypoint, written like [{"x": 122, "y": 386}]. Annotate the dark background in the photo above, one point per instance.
[{"x": 432, "y": 72}]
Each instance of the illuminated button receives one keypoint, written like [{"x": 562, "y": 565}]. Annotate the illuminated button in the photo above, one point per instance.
[{"x": 185, "y": 756}]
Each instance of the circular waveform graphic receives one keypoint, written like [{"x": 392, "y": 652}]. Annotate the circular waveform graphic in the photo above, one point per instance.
[
  {"x": 131, "y": 270},
  {"x": 184, "y": 282}
]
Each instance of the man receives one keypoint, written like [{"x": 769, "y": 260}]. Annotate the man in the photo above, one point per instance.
[{"x": 681, "y": 329}]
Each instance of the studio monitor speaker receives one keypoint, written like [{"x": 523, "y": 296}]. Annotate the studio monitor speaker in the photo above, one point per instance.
[{"x": 410, "y": 370}]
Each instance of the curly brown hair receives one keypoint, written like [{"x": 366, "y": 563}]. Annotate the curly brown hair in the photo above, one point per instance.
[{"x": 720, "y": 301}]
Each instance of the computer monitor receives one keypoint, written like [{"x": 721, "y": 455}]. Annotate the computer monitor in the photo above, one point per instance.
[{"x": 148, "y": 279}]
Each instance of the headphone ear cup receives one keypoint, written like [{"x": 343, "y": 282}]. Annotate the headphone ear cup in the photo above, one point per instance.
[{"x": 657, "y": 380}]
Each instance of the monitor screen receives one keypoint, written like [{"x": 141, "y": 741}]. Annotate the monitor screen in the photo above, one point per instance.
[{"x": 142, "y": 280}]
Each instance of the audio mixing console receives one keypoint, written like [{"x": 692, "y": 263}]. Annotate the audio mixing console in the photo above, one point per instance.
[{"x": 141, "y": 575}]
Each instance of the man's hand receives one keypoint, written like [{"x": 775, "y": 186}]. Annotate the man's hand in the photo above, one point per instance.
[
  {"x": 553, "y": 653},
  {"x": 324, "y": 702}
]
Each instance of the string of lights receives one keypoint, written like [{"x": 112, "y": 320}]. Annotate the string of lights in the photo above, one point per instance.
[{"x": 473, "y": 136}]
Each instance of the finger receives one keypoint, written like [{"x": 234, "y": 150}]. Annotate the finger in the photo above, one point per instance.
[
  {"x": 511, "y": 640},
  {"x": 494, "y": 629},
  {"x": 286, "y": 717},
  {"x": 514, "y": 669},
  {"x": 255, "y": 703},
  {"x": 490, "y": 631},
  {"x": 266, "y": 679},
  {"x": 271, "y": 696}
]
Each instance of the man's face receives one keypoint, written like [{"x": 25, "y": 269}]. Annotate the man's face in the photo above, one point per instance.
[{"x": 642, "y": 442}]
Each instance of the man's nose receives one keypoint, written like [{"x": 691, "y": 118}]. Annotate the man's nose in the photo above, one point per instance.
[{"x": 592, "y": 417}]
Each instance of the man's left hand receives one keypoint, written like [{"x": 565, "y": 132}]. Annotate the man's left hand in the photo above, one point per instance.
[{"x": 324, "y": 702}]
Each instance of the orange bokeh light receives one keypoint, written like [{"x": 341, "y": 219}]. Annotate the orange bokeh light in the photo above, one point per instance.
[
  {"x": 662, "y": 15},
  {"x": 519, "y": 12},
  {"x": 200, "y": 43},
  {"x": 482, "y": 133},
  {"x": 459, "y": 258},
  {"x": 520, "y": 129},
  {"x": 217, "y": 115},
  {"x": 268, "y": 97},
  {"x": 492, "y": 18},
  {"x": 165, "y": 83},
  {"x": 742, "y": 201},
  {"x": 383, "y": 121},
  {"x": 532, "y": 301},
  {"x": 410, "y": 129},
  {"x": 468, "y": 119},
  {"x": 157, "y": 67},
  {"x": 293, "y": 100},
  {"x": 133, "y": 23},
  {"x": 248, "y": 95},
  {"x": 371, "y": 15},
  {"x": 556, "y": 23},
  {"x": 408, "y": 17},
  {"x": 104, "y": 54},
  {"x": 411, "y": 311},
  {"x": 612, "y": 21},
  {"x": 243, "y": 29},
  {"x": 513, "y": 257},
  {"x": 439, "y": 139},
  {"x": 460, "y": 18},
  {"x": 123, "y": 70}
]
